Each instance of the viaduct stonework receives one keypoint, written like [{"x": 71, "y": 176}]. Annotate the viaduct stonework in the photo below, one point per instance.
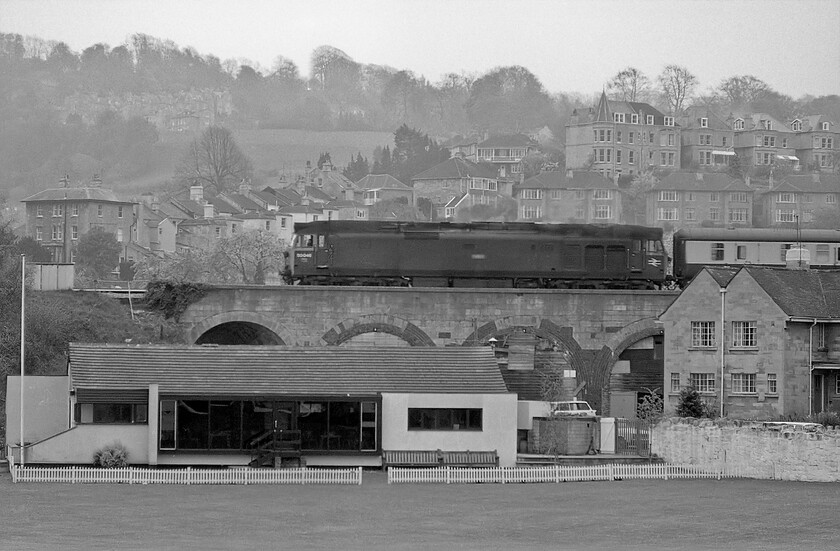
[{"x": 591, "y": 326}]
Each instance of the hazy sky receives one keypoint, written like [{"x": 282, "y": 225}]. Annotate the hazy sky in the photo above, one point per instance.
[{"x": 571, "y": 45}]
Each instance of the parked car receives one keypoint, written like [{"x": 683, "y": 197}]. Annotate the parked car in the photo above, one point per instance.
[{"x": 576, "y": 408}]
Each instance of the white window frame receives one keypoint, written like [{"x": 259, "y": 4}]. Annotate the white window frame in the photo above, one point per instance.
[
  {"x": 669, "y": 121},
  {"x": 649, "y": 119},
  {"x": 675, "y": 382},
  {"x": 704, "y": 122},
  {"x": 634, "y": 118},
  {"x": 703, "y": 334},
  {"x": 773, "y": 383},
  {"x": 618, "y": 117},
  {"x": 603, "y": 212},
  {"x": 669, "y": 195},
  {"x": 738, "y": 124},
  {"x": 786, "y": 197},
  {"x": 533, "y": 194},
  {"x": 703, "y": 382},
  {"x": 743, "y": 383},
  {"x": 738, "y": 215},
  {"x": 668, "y": 214},
  {"x": 744, "y": 334},
  {"x": 605, "y": 194},
  {"x": 74, "y": 232}
]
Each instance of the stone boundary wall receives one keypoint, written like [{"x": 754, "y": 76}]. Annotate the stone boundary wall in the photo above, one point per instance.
[{"x": 781, "y": 451}]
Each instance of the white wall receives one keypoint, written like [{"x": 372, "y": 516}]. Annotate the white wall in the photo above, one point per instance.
[
  {"x": 499, "y": 420},
  {"x": 77, "y": 446},
  {"x": 46, "y": 407},
  {"x": 527, "y": 410}
]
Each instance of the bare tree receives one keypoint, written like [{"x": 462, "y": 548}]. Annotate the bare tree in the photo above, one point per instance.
[
  {"x": 214, "y": 160},
  {"x": 248, "y": 256},
  {"x": 743, "y": 90},
  {"x": 630, "y": 84},
  {"x": 677, "y": 84}
]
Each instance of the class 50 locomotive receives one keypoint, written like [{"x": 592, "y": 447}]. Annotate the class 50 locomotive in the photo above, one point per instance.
[{"x": 479, "y": 254}]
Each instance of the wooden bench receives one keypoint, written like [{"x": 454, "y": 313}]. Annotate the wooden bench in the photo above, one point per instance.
[
  {"x": 470, "y": 458},
  {"x": 411, "y": 458}
]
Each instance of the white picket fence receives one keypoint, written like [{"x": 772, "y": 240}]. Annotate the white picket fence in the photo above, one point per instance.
[
  {"x": 138, "y": 475},
  {"x": 554, "y": 473}
]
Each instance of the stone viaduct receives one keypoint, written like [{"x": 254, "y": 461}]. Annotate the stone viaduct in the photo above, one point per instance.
[{"x": 592, "y": 326}]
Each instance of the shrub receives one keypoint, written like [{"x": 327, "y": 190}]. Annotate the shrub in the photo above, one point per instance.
[
  {"x": 651, "y": 406},
  {"x": 692, "y": 405},
  {"x": 112, "y": 456},
  {"x": 827, "y": 418}
]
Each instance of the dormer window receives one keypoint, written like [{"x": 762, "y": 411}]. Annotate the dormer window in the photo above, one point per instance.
[
  {"x": 767, "y": 124},
  {"x": 669, "y": 121},
  {"x": 650, "y": 119},
  {"x": 826, "y": 126},
  {"x": 704, "y": 122},
  {"x": 796, "y": 125},
  {"x": 739, "y": 124},
  {"x": 618, "y": 117},
  {"x": 634, "y": 119}
]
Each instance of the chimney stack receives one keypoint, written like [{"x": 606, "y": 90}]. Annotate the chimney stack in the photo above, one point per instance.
[
  {"x": 97, "y": 181},
  {"x": 208, "y": 211},
  {"x": 196, "y": 193}
]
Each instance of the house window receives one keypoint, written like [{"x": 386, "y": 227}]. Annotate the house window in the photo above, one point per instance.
[
  {"x": 531, "y": 212},
  {"x": 649, "y": 119},
  {"x": 618, "y": 156},
  {"x": 690, "y": 214},
  {"x": 555, "y": 194},
  {"x": 738, "y": 215},
  {"x": 99, "y": 210},
  {"x": 675, "y": 382},
  {"x": 785, "y": 198},
  {"x": 825, "y": 126},
  {"x": 785, "y": 215},
  {"x": 268, "y": 225},
  {"x": 58, "y": 210},
  {"x": 110, "y": 414},
  {"x": 634, "y": 119},
  {"x": 218, "y": 232},
  {"x": 769, "y": 141},
  {"x": 669, "y": 121},
  {"x": 702, "y": 334},
  {"x": 831, "y": 198},
  {"x": 603, "y": 212},
  {"x": 763, "y": 158},
  {"x": 772, "y": 387},
  {"x": 784, "y": 142},
  {"x": 705, "y": 139},
  {"x": 703, "y": 382},
  {"x": 119, "y": 235},
  {"x": 717, "y": 252},
  {"x": 670, "y": 213},
  {"x": 57, "y": 232},
  {"x": 531, "y": 194},
  {"x": 631, "y": 137},
  {"x": 743, "y": 334},
  {"x": 631, "y": 157},
  {"x": 796, "y": 125},
  {"x": 580, "y": 194},
  {"x": 39, "y": 233},
  {"x": 705, "y": 157},
  {"x": 602, "y": 194},
  {"x": 739, "y": 124},
  {"x": 714, "y": 214},
  {"x": 74, "y": 232},
  {"x": 39, "y": 211},
  {"x": 75, "y": 211},
  {"x": 704, "y": 122},
  {"x": 282, "y": 222},
  {"x": 668, "y": 195},
  {"x": 743, "y": 383},
  {"x": 119, "y": 212},
  {"x": 767, "y": 124},
  {"x": 618, "y": 117},
  {"x": 445, "y": 419},
  {"x": 826, "y": 143}
]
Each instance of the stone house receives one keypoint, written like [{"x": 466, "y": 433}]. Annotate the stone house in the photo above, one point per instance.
[
  {"x": 569, "y": 197},
  {"x": 57, "y": 217},
  {"x": 706, "y": 139},
  {"x": 816, "y": 141},
  {"x": 762, "y": 140},
  {"x": 621, "y": 138},
  {"x": 506, "y": 153},
  {"x": 331, "y": 181},
  {"x": 796, "y": 199},
  {"x": 384, "y": 187},
  {"x": 756, "y": 342},
  {"x": 694, "y": 199},
  {"x": 453, "y": 178}
]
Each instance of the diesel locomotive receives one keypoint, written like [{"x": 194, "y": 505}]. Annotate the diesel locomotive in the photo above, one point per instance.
[{"x": 478, "y": 254}]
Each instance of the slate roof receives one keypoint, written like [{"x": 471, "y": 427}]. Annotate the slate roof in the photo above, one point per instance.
[
  {"x": 317, "y": 194},
  {"x": 453, "y": 169},
  {"x": 381, "y": 181},
  {"x": 722, "y": 275},
  {"x": 98, "y": 194},
  {"x": 606, "y": 108},
  {"x": 280, "y": 370},
  {"x": 507, "y": 140},
  {"x": 558, "y": 180},
  {"x": 813, "y": 183},
  {"x": 801, "y": 293},
  {"x": 701, "y": 181}
]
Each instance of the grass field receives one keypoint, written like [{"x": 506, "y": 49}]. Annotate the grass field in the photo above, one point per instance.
[{"x": 687, "y": 514}]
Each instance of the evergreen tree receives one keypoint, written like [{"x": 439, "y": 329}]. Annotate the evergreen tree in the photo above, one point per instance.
[
  {"x": 323, "y": 158},
  {"x": 357, "y": 169}
]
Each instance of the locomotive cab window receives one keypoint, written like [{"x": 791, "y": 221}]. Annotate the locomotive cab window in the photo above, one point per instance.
[
  {"x": 305, "y": 240},
  {"x": 322, "y": 241},
  {"x": 654, "y": 246}
]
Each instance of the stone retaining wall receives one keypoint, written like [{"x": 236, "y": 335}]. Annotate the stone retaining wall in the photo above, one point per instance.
[{"x": 782, "y": 451}]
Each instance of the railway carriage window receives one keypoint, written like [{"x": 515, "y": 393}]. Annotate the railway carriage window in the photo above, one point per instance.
[
  {"x": 741, "y": 252},
  {"x": 717, "y": 251},
  {"x": 822, "y": 253}
]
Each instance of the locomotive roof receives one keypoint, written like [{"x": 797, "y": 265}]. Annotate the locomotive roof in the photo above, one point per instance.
[
  {"x": 600, "y": 230},
  {"x": 756, "y": 234}
]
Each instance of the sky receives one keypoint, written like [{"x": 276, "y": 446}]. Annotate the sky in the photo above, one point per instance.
[{"x": 572, "y": 46}]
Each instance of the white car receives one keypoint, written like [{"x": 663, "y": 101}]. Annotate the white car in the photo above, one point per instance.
[{"x": 577, "y": 408}]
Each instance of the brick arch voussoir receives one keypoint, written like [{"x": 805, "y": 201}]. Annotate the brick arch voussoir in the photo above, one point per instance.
[
  {"x": 197, "y": 329},
  {"x": 382, "y": 323}
]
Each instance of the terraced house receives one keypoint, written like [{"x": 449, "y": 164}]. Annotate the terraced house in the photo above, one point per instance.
[
  {"x": 568, "y": 197},
  {"x": 762, "y": 140},
  {"x": 706, "y": 140},
  {"x": 797, "y": 198},
  {"x": 693, "y": 199},
  {"x": 817, "y": 142},
  {"x": 619, "y": 138}
]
